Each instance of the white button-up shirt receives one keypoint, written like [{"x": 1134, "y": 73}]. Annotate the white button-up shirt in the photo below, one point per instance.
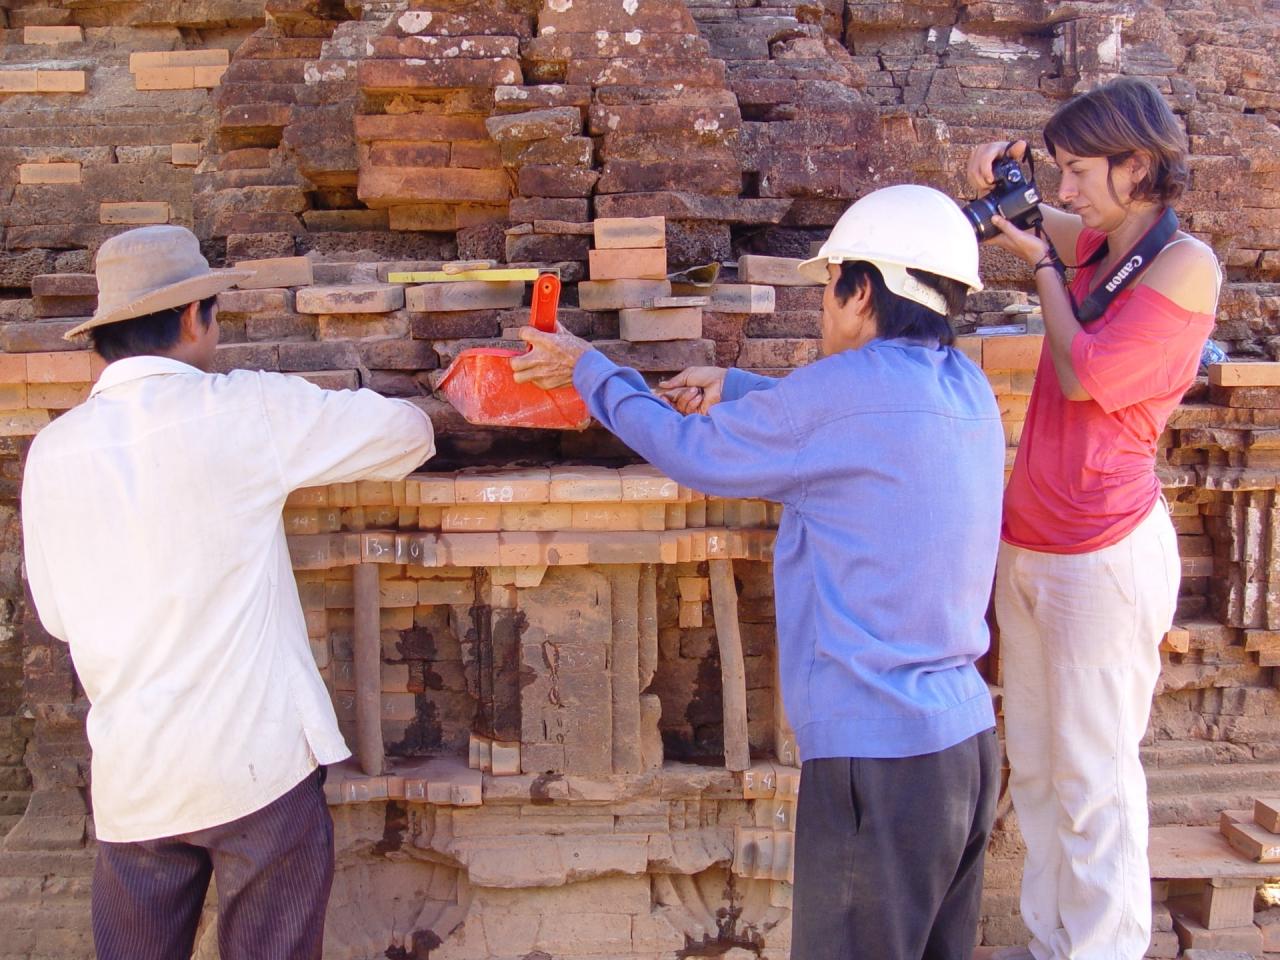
[{"x": 155, "y": 547}]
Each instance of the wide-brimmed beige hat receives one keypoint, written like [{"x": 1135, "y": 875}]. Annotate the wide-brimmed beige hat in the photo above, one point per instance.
[{"x": 150, "y": 269}]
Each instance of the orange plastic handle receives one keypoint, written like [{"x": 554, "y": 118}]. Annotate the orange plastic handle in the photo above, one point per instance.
[{"x": 546, "y": 298}]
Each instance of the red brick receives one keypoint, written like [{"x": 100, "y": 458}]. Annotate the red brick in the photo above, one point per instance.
[
  {"x": 543, "y": 180},
  {"x": 419, "y": 126},
  {"x": 395, "y": 75},
  {"x": 433, "y": 48},
  {"x": 411, "y": 155}
]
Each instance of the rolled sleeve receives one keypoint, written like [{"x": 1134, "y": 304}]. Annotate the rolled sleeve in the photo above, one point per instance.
[
  {"x": 337, "y": 436},
  {"x": 1149, "y": 348}
]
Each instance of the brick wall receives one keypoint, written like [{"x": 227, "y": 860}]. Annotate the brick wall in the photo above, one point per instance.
[{"x": 552, "y": 716}]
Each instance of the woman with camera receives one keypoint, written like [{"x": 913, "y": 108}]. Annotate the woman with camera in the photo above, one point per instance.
[{"x": 1088, "y": 572}]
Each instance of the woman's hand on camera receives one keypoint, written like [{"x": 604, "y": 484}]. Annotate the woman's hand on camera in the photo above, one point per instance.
[
  {"x": 1023, "y": 244},
  {"x": 978, "y": 171}
]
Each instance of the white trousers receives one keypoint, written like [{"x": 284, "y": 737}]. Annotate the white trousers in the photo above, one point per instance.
[{"x": 1080, "y": 637}]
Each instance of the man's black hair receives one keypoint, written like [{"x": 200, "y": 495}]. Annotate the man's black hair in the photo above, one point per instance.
[
  {"x": 897, "y": 316},
  {"x": 147, "y": 335}
]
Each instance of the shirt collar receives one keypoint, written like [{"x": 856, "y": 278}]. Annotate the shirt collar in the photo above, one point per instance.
[{"x": 135, "y": 368}]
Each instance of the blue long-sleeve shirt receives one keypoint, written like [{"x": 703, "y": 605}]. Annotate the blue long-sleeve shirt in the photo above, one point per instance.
[{"x": 889, "y": 462}]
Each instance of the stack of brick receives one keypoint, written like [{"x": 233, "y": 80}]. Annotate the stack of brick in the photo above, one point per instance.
[
  {"x": 551, "y": 164},
  {"x": 91, "y": 157},
  {"x": 425, "y": 155},
  {"x": 665, "y": 127}
]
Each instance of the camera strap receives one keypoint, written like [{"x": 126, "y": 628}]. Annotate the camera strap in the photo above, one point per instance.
[{"x": 1130, "y": 267}]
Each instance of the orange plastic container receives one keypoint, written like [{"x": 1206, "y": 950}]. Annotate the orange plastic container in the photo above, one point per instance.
[{"x": 481, "y": 385}]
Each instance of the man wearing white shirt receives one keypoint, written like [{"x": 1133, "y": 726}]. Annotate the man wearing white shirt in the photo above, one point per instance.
[{"x": 155, "y": 547}]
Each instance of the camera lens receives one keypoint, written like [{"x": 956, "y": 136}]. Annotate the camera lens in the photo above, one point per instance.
[{"x": 979, "y": 214}]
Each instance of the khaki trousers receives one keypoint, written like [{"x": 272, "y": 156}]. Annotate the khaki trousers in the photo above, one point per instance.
[{"x": 1080, "y": 638}]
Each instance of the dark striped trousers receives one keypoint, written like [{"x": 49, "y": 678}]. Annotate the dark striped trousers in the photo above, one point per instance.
[{"x": 273, "y": 870}]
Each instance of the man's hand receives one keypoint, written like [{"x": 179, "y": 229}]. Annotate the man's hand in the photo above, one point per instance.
[
  {"x": 551, "y": 361},
  {"x": 694, "y": 389}
]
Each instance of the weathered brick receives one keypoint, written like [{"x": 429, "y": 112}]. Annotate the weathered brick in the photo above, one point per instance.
[
  {"x": 420, "y": 74},
  {"x": 49, "y": 173},
  {"x": 139, "y": 212},
  {"x": 372, "y": 298},
  {"x": 466, "y": 295},
  {"x": 392, "y": 186}
]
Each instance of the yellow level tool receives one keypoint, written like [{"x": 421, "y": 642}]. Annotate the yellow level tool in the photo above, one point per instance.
[{"x": 439, "y": 276}]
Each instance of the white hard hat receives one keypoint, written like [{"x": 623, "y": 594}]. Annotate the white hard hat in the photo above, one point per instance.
[{"x": 900, "y": 227}]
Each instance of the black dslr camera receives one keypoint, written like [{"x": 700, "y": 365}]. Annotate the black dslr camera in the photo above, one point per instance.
[{"x": 1013, "y": 197}]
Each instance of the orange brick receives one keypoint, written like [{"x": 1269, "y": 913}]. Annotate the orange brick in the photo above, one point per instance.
[
  {"x": 1016, "y": 352},
  {"x": 679, "y": 323},
  {"x": 13, "y": 396},
  {"x": 61, "y": 81},
  {"x": 469, "y": 549},
  {"x": 13, "y": 368},
  {"x": 69, "y": 367},
  {"x": 521, "y": 549},
  {"x": 49, "y": 173},
  {"x": 971, "y": 347},
  {"x": 398, "y": 593},
  {"x": 508, "y": 486},
  {"x": 430, "y": 489},
  {"x": 56, "y": 396},
  {"x": 17, "y": 81},
  {"x": 432, "y": 593},
  {"x": 572, "y": 484},
  {"x": 537, "y": 517},
  {"x": 643, "y": 481},
  {"x": 138, "y": 212},
  {"x": 178, "y": 58},
  {"x": 23, "y": 423},
  {"x": 567, "y": 549},
  {"x": 1013, "y": 407},
  {"x": 206, "y": 78},
  {"x": 52, "y": 35},
  {"x": 165, "y": 78},
  {"x": 473, "y": 518},
  {"x": 185, "y": 154},
  {"x": 1244, "y": 374},
  {"x": 613, "y": 233},
  {"x": 641, "y": 264},
  {"x": 606, "y": 516}
]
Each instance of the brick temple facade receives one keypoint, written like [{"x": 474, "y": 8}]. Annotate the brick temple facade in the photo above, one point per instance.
[{"x": 556, "y": 666}]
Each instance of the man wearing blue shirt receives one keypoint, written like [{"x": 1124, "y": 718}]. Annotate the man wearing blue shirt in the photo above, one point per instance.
[{"x": 888, "y": 458}]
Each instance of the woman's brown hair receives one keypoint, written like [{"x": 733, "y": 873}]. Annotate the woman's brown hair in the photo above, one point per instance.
[{"x": 1117, "y": 120}]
